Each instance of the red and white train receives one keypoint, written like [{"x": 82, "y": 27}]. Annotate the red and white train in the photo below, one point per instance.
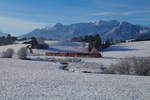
[{"x": 73, "y": 54}]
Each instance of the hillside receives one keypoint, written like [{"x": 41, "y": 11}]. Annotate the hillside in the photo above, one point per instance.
[
  {"x": 42, "y": 80},
  {"x": 110, "y": 55},
  {"x": 107, "y": 29}
]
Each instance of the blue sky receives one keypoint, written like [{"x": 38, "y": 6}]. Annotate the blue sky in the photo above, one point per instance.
[{"x": 22, "y": 16}]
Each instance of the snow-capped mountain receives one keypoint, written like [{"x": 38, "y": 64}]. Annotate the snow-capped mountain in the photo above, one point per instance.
[
  {"x": 107, "y": 29},
  {"x": 3, "y": 34}
]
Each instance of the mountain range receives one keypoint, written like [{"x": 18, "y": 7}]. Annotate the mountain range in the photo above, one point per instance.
[
  {"x": 107, "y": 29},
  {"x": 3, "y": 34}
]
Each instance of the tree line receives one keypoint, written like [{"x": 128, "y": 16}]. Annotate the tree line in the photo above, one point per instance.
[
  {"x": 7, "y": 40},
  {"x": 95, "y": 42}
]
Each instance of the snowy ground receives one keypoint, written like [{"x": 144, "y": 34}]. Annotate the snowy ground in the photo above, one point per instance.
[
  {"x": 32, "y": 80},
  {"x": 129, "y": 49},
  {"x": 110, "y": 55},
  {"x": 43, "y": 80}
]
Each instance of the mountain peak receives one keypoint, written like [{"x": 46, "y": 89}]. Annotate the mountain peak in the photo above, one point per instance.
[
  {"x": 111, "y": 22},
  {"x": 126, "y": 23},
  {"x": 58, "y": 25},
  {"x": 99, "y": 22}
]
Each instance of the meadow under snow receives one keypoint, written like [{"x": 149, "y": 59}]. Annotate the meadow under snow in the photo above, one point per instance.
[{"x": 44, "y": 80}]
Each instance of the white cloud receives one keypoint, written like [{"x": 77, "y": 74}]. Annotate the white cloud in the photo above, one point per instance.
[
  {"x": 121, "y": 13},
  {"x": 109, "y": 13},
  {"x": 18, "y": 26},
  {"x": 104, "y": 13}
]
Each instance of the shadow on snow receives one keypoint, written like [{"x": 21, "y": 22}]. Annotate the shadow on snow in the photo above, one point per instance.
[{"x": 119, "y": 48}]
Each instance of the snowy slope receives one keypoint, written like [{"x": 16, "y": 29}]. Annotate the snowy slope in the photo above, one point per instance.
[
  {"x": 15, "y": 47},
  {"x": 122, "y": 50},
  {"x": 110, "y": 55},
  {"x": 32, "y": 80},
  {"x": 42, "y": 80},
  {"x": 129, "y": 49}
]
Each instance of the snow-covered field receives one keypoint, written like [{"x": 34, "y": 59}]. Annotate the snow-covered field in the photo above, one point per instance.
[
  {"x": 110, "y": 55},
  {"x": 43, "y": 80},
  {"x": 32, "y": 80},
  {"x": 123, "y": 50},
  {"x": 129, "y": 49}
]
